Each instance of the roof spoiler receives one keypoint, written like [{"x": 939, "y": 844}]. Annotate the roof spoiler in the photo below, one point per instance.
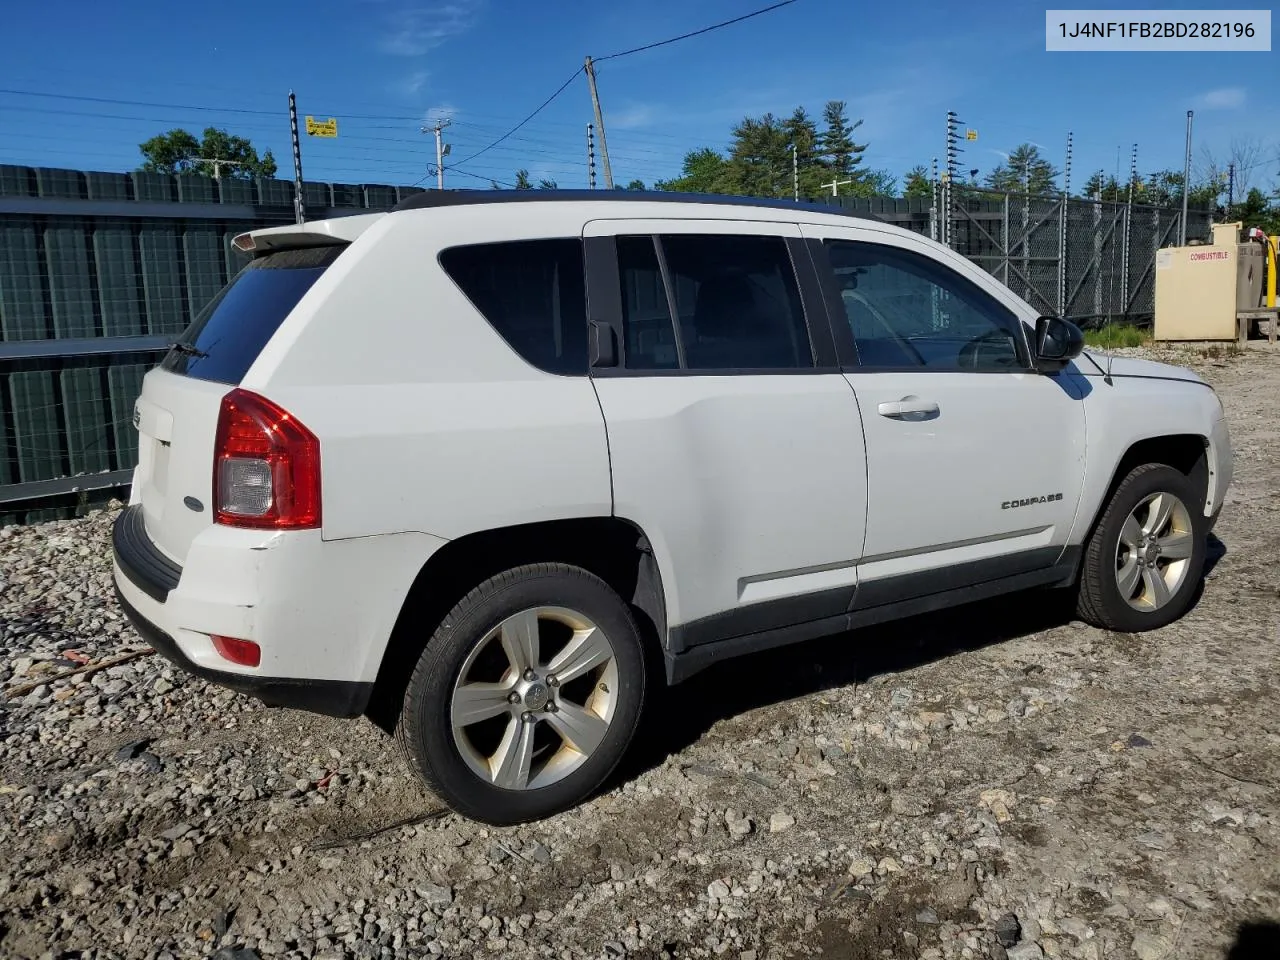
[{"x": 317, "y": 233}]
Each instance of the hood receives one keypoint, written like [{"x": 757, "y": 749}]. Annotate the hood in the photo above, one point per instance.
[{"x": 1133, "y": 367}]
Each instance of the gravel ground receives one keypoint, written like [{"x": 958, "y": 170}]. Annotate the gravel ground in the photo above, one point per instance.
[{"x": 993, "y": 782}]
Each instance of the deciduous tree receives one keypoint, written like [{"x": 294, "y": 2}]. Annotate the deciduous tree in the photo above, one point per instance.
[{"x": 178, "y": 151}]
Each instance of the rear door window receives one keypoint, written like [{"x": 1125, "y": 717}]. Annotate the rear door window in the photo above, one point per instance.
[
  {"x": 533, "y": 293},
  {"x": 738, "y": 302},
  {"x": 228, "y": 334}
]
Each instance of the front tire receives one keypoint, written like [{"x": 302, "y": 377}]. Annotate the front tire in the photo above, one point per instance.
[
  {"x": 526, "y": 696},
  {"x": 1144, "y": 562}
]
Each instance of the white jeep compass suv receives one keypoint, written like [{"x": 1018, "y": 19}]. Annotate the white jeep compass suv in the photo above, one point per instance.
[{"x": 488, "y": 466}]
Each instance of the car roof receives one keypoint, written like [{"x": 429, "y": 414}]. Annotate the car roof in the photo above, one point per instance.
[{"x": 454, "y": 198}]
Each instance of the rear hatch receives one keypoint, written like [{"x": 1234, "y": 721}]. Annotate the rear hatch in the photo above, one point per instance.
[{"x": 177, "y": 413}]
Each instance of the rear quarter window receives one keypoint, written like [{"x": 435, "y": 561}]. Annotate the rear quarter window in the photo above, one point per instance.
[
  {"x": 533, "y": 293},
  {"x": 229, "y": 333}
]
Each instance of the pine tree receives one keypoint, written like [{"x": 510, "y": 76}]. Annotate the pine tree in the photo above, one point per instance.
[{"x": 837, "y": 144}]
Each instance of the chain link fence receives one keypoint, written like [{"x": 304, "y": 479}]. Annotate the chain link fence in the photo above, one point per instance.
[{"x": 1090, "y": 261}]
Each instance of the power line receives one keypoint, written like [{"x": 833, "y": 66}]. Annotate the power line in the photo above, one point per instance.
[
  {"x": 1259, "y": 163},
  {"x": 545, "y": 103},
  {"x": 695, "y": 33},
  {"x": 139, "y": 103}
]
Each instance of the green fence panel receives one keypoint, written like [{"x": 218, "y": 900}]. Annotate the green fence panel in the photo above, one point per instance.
[
  {"x": 56, "y": 182},
  {"x": 37, "y": 429},
  {"x": 23, "y": 315},
  {"x": 72, "y": 298},
  {"x": 17, "y": 181},
  {"x": 347, "y": 195},
  {"x": 119, "y": 287},
  {"x": 193, "y": 188},
  {"x": 124, "y": 384},
  {"x": 236, "y": 190},
  {"x": 88, "y": 430},
  {"x": 379, "y": 197},
  {"x": 153, "y": 186},
  {"x": 108, "y": 186},
  {"x": 275, "y": 193},
  {"x": 8, "y": 458},
  {"x": 316, "y": 196},
  {"x": 206, "y": 262},
  {"x": 162, "y": 285}
]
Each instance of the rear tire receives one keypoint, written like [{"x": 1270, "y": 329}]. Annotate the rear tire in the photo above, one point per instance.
[
  {"x": 1145, "y": 559},
  {"x": 526, "y": 696}
]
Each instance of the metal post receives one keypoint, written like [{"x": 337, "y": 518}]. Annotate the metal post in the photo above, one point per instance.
[
  {"x": 1231, "y": 188},
  {"x": 591, "y": 156},
  {"x": 1066, "y": 170},
  {"x": 595, "y": 104},
  {"x": 1026, "y": 229},
  {"x": 1062, "y": 232},
  {"x": 1097, "y": 248},
  {"x": 1128, "y": 221},
  {"x": 1186, "y": 186},
  {"x": 1004, "y": 240},
  {"x": 934, "y": 225},
  {"x": 795, "y": 172},
  {"x": 299, "y": 212}
]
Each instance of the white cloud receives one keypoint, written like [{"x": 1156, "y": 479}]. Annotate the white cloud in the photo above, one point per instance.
[
  {"x": 999, "y": 153},
  {"x": 630, "y": 117},
  {"x": 411, "y": 84},
  {"x": 443, "y": 111},
  {"x": 413, "y": 30},
  {"x": 1223, "y": 98}
]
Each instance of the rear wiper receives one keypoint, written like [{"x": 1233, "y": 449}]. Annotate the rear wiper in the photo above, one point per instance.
[{"x": 187, "y": 349}]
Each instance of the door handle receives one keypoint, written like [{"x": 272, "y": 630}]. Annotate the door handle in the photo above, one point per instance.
[{"x": 908, "y": 408}]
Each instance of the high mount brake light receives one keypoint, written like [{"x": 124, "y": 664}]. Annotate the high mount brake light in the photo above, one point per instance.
[{"x": 266, "y": 466}]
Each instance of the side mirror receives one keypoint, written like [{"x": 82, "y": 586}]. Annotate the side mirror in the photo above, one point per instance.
[{"x": 1058, "y": 342}]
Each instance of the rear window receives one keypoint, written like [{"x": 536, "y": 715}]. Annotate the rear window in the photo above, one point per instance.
[
  {"x": 228, "y": 334},
  {"x": 533, "y": 292}
]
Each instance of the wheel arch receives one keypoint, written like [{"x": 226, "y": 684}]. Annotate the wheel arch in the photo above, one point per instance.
[
  {"x": 1187, "y": 453},
  {"x": 615, "y": 550}
]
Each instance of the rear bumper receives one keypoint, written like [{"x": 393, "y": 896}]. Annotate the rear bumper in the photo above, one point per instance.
[
  {"x": 333, "y": 698},
  {"x": 321, "y": 611}
]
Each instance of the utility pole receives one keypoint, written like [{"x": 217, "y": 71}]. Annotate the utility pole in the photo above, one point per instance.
[
  {"x": 1231, "y": 188},
  {"x": 595, "y": 103},
  {"x": 795, "y": 173},
  {"x": 218, "y": 164},
  {"x": 835, "y": 185},
  {"x": 442, "y": 149},
  {"x": 1186, "y": 186},
  {"x": 591, "y": 156},
  {"x": 299, "y": 213}
]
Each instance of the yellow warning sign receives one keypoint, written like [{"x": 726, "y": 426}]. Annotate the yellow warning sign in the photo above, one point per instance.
[
  {"x": 322, "y": 128},
  {"x": 971, "y": 134}
]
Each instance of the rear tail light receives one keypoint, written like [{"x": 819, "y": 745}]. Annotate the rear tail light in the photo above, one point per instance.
[
  {"x": 244, "y": 652},
  {"x": 266, "y": 466}
]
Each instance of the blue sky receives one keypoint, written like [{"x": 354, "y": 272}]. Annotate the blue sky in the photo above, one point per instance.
[{"x": 383, "y": 66}]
